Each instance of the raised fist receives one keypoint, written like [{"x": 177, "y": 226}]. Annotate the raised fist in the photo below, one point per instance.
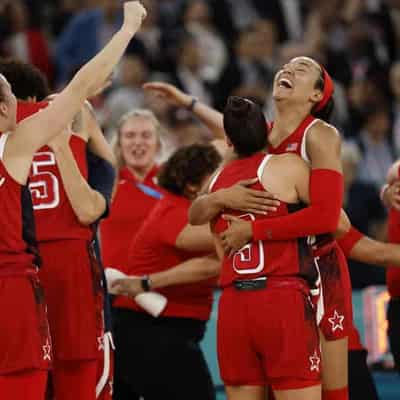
[{"x": 134, "y": 14}]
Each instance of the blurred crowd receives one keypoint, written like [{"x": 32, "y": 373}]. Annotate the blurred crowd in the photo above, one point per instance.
[{"x": 216, "y": 48}]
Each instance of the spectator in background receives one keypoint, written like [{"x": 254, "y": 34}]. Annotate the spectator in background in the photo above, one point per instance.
[
  {"x": 136, "y": 146},
  {"x": 375, "y": 146},
  {"x": 128, "y": 95},
  {"x": 26, "y": 43},
  {"x": 84, "y": 35},
  {"x": 197, "y": 20},
  {"x": 190, "y": 63},
  {"x": 363, "y": 206}
]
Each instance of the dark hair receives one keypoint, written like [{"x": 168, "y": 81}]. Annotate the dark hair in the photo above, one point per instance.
[
  {"x": 25, "y": 79},
  {"x": 325, "y": 113},
  {"x": 188, "y": 165},
  {"x": 245, "y": 126}
]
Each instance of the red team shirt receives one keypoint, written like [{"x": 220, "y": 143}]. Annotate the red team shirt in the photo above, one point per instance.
[
  {"x": 274, "y": 258},
  {"x": 131, "y": 205},
  {"x": 153, "y": 250}
]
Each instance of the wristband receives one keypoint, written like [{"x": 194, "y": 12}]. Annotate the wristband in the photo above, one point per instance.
[
  {"x": 145, "y": 283},
  {"x": 190, "y": 107}
]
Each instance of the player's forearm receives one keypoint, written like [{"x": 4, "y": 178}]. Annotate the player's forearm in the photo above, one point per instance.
[
  {"x": 88, "y": 204},
  {"x": 205, "y": 208},
  {"x": 191, "y": 271},
  {"x": 322, "y": 215},
  {"x": 210, "y": 117},
  {"x": 370, "y": 251},
  {"x": 97, "y": 143}
]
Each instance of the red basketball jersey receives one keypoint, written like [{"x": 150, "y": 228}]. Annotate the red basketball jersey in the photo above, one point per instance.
[
  {"x": 18, "y": 250},
  {"x": 393, "y": 274},
  {"x": 277, "y": 258},
  {"x": 296, "y": 143},
  {"x": 55, "y": 218}
]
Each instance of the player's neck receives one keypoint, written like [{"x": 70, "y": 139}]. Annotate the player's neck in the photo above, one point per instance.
[
  {"x": 287, "y": 119},
  {"x": 140, "y": 173}
]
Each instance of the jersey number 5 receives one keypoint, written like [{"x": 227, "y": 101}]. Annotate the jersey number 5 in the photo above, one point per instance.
[
  {"x": 250, "y": 258},
  {"x": 44, "y": 185}
]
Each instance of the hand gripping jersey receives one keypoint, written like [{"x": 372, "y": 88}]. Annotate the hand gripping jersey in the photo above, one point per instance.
[{"x": 291, "y": 258}]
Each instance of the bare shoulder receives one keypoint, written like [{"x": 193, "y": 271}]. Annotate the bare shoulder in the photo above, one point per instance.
[
  {"x": 292, "y": 160},
  {"x": 322, "y": 133}
]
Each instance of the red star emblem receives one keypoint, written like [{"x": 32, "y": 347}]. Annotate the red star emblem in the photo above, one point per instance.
[
  {"x": 336, "y": 321},
  {"x": 47, "y": 350},
  {"x": 315, "y": 361}
]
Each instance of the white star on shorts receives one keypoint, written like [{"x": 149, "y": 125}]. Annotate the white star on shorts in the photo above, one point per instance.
[
  {"x": 336, "y": 321},
  {"x": 314, "y": 360},
  {"x": 47, "y": 350}
]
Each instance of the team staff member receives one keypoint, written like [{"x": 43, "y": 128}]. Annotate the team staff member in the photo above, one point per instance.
[
  {"x": 161, "y": 357},
  {"x": 137, "y": 144},
  {"x": 266, "y": 285},
  {"x": 56, "y": 224},
  {"x": 26, "y": 348}
]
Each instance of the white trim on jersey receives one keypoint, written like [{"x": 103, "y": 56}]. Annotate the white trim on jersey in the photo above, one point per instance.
[
  {"x": 319, "y": 292},
  {"x": 303, "y": 151},
  {"x": 262, "y": 165},
  {"x": 214, "y": 179},
  {"x": 3, "y": 140},
  {"x": 108, "y": 344}
]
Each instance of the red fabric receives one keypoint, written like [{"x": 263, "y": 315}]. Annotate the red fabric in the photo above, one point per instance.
[
  {"x": 75, "y": 380},
  {"x": 322, "y": 215},
  {"x": 328, "y": 90},
  {"x": 354, "y": 339},
  {"x": 25, "y": 342},
  {"x": 336, "y": 394},
  {"x": 293, "y": 143},
  {"x": 393, "y": 274},
  {"x": 27, "y": 385},
  {"x": 39, "y": 52},
  {"x": 281, "y": 258},
  {"x": 336, "y": 294},
  {"x": 106, "y": 393},
  {"x": 153, "y": 250},
  {"x": 14, "y": 250},
  {"x": 349, "y": 240},
  {"x": 129, "y": 209},
  {"x": 54, "y": 216},
  {"x": 74, "y": 298},
  {"x": 263, "y": 348}
]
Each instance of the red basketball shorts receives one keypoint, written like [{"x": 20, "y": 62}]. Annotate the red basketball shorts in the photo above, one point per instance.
[
  {"x": 268, "y": 337},
  {"x": 24, "y": 333},
  {"x": 71, "y": 279},
  {"x": 334, "y": 304}
]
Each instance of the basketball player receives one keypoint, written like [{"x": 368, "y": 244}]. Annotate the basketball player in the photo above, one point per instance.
[
  {"x": 24, "y": 336},
  {"x": 58, "y": 225},
  {"x": 266, "y": 285},
  {"x": 302, "y": 93}
]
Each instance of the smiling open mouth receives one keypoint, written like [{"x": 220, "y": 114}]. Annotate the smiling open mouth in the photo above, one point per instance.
[{"x": 285, "y": 83}]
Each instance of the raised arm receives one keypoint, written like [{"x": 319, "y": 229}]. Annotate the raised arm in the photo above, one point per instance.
[
  {"x": 210, "y": 117},
  {"x": 36, "y": 131}
]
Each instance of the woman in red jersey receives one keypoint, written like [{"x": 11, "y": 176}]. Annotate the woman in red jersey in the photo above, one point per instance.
[
  {"x": 160, "y": 358},
  {"x": 302, "y": 94},
  {"x": 26, "y": 346},
  {"x": 137, "y": 145},
  {"x": 267, "y": 330}
]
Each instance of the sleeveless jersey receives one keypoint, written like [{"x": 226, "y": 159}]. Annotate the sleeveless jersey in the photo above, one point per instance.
[
  {"x": 296, "y": 143},
  {"x": 18, "y": 247},
  {"x": 54, "y": 215},
  {"x": 55, "y": 218},
  {"x": 289, "y": 258}
]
